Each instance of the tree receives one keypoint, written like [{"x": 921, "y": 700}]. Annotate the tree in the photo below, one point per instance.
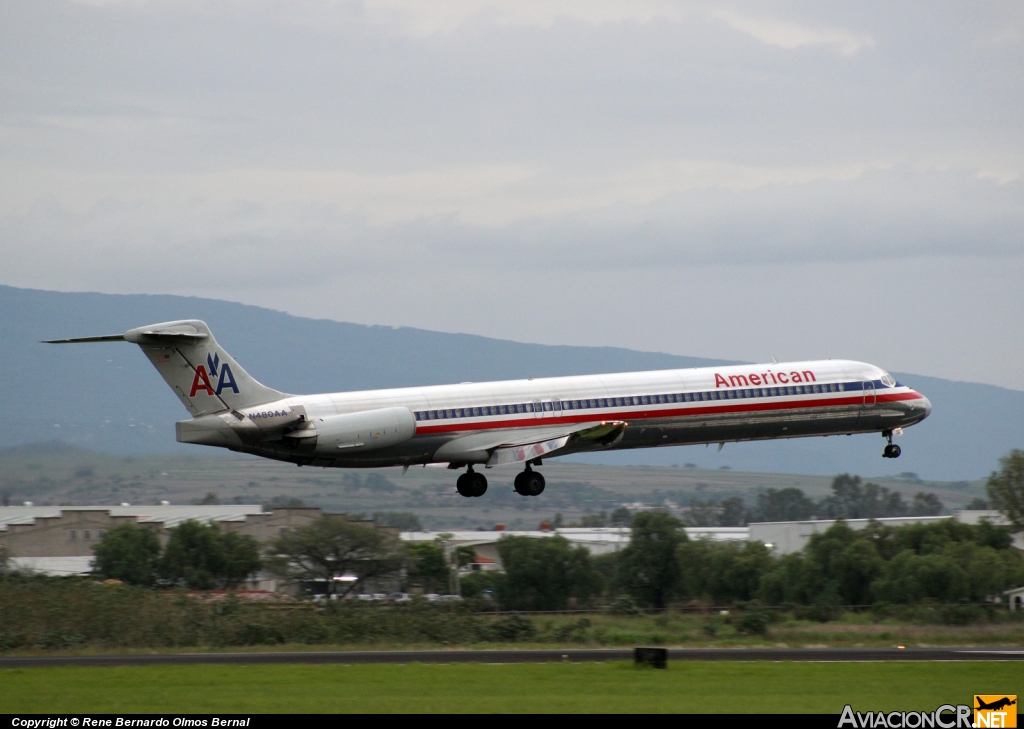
[
  {"x": 427, "y": 566},
  {"x": 789, "y": 504},
  {"x": 851, "y": 500},
  {"x": 621, "y": 517},
  {"x": 723, "y": 572},
  {"x": 649, "y": 566},
  {"x": 129, "y": 553},
  {"x": 465, "y": 555},
  {"x": 844, "y": 563},
  {"x": 202, "y": 557},
  {"x": 734, "y": 512},
  {"x": 1006, "y": 487},
  {"x": 332, "y": 547},
  {"x": 925, "y": 504},
  {"x": 594, "y": 520},
  {"x": 703, "y": 513},
  {"x": 543, "y": 574}
]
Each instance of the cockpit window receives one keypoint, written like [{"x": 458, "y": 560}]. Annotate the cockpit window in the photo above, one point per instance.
[{"x": 887, "y": 380}]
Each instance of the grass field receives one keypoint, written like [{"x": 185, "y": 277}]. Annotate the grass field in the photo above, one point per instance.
[{"x": 705, "y": 687}]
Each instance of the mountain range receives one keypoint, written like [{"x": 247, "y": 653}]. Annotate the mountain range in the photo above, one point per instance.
[{"x": 107, "y": 397}]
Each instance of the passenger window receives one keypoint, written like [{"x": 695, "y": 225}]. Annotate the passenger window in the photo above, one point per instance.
[
  {"x": 556, "y": 405},
  {"x": 841, "y": 387}
]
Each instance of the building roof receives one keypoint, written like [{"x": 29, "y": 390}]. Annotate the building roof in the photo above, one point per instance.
[
  {"x": 54, "y": 566},
  {"x": 168, "y": 515},
  {"x": 586, "y": 536}
]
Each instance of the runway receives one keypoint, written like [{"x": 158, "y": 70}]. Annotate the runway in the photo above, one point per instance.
[{"x": 521, "y": 656}]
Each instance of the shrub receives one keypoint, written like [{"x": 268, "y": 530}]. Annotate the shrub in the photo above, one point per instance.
[{"x": 753, "y": 619}]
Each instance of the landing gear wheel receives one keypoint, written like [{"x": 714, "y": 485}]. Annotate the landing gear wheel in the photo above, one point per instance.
[
  {"x": 478, "y": 484},
  {"x": 529, "y": 483},
  {"x": 471, "y": 484},
  {"x": 892, "y": 450}
]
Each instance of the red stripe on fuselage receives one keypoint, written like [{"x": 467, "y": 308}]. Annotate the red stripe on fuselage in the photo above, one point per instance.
[{"x": 590, "y": 416}]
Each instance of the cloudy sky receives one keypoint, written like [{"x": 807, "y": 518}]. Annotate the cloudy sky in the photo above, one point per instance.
[{"x": 734, "y": 180}]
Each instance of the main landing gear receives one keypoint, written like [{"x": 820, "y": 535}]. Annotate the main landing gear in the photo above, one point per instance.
[
  {"x": 529, "y": 482},
  {"x": 892, "y": 450},
  {"x": 471, "y": 483}
]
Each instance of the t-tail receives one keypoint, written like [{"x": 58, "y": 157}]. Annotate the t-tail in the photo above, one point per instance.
[{"x": 205, "y": 378}]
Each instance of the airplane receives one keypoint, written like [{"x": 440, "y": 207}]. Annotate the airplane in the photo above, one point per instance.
[
  {"x": 995, "y": 705},
  {"x": 516, "y": 421}
]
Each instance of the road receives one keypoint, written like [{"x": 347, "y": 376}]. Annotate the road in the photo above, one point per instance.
[{"x": 521, "y": 656}]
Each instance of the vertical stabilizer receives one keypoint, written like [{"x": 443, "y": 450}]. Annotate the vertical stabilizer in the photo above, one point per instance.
[{"x": 204, "y": 377}]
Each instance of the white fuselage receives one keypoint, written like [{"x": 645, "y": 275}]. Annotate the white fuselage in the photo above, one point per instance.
[{"x": 461, "y": 424}]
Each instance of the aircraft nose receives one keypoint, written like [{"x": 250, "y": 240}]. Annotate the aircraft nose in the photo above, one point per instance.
[{"x": 924, "y": 404}]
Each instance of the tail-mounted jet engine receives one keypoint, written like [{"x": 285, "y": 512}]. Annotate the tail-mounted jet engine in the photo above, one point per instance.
[{"x": 354, "y": 432}]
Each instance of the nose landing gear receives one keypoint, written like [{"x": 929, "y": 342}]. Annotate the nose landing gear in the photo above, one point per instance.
[
  {"x": 471, "y": 484},
  {"x": 529, "y": 482},
  {"x": 891, "y": 450}
]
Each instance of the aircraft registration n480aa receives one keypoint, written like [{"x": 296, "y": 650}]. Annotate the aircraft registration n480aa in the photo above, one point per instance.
[{"x": 517, "y": 421}]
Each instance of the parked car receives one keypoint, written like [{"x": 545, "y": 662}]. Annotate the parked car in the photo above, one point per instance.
[{"x": 399, "y": 597}]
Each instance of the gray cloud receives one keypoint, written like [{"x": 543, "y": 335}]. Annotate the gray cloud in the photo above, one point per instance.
[{"x": 641, "y": 174}]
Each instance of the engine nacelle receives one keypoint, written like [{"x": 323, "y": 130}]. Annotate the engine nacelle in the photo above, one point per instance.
[{"x": 353, "y": 432}]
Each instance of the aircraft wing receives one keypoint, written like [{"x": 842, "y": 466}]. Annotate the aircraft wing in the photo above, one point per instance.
[{"x": 514, "y": 446}]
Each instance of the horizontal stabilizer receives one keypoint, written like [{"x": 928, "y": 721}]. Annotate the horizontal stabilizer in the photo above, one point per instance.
[
  {"x": 203, "y": 376},
  {"x": 83, "y": 340}
]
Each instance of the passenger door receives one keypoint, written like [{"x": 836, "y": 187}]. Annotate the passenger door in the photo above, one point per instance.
[{"x": 869, "y": 395}]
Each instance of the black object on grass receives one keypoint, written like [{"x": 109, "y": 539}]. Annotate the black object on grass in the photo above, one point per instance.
[{"x": 653, "y": 657}]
